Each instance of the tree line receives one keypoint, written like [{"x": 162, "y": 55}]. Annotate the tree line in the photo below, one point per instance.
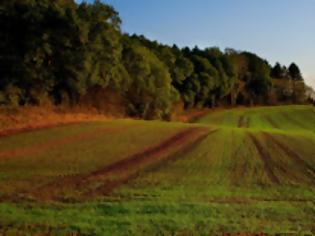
[{"x": 60, "y": 52}]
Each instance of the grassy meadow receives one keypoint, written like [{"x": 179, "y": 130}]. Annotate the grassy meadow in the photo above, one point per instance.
[{"x": 242, "y": 170}]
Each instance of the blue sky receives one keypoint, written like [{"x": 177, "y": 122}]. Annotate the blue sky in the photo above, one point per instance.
[{"x": 277, "y": 30}]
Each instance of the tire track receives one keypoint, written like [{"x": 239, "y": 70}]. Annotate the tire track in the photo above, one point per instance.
[
  {"x": 266, "y": 158},
  {"x": 123, "y": 171},
  {"x": 271, "y": 122},
  {"x": 243, "y": 122},
  {"x": 240, "y": 122},
  {"x": 294, "y": 121},
  {"x": 292, "y": 155},
  {"x": 238, "y": 170},
  {"x": 271, "y": 165},
  {"x": 247, "y": 122},
  {"x": 108, "y": 188},
  {"x": 105, "y": 190},
  {"x": 155, "y": 157}
]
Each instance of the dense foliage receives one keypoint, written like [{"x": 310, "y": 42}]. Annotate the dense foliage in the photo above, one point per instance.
[{"x": 58, "y": 51}]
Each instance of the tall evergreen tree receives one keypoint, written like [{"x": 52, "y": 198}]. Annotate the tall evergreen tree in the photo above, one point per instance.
[{"x": 295, "y": 72}]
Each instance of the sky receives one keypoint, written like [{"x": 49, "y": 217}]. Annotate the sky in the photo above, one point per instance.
[{"x": 277, "y": 30}]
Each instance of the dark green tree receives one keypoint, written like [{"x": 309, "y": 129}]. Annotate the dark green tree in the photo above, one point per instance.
[
  {"x": 278, "y": 71},
  {"x": 294, "y": 72},
  {"x": 150, "y": 94},
  {"x": 258, "y": 78},
  {"x": 60, "y": 51}
]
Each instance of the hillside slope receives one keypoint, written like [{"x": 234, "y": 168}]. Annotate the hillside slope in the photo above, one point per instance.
[{"x": 233, "y": 171}]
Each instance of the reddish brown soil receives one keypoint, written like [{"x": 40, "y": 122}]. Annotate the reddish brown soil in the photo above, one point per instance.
[
  {"x": 192, "y": 115},
  {"x": 193, "y": 118},
  {"x": 26, "y": 129},
  {"x": 266, "y": 158},
  {"x": 149, "y": 160},
  {"x": 26, "y": 119},
  {"x": 121, "y": 172}
]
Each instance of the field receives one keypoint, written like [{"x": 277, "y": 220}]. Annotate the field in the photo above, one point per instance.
[{"x": 239, "y": 171}]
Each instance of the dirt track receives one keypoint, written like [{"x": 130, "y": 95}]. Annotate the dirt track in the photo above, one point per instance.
[
  {"x": 266, "y": 158},
  {"x": 153, "y": 166},
  {"x": 239, "y": 168},
  {"x": 271, "y": 122},
  {"x": 293, "y": 155},
  {"x": 105, "y": 180},
  {"x": 243, "y": 122},
  {"x": 294, "y": 121},
  {"x": 271, "y": 165},
  {"x": 130, "y": 167}
]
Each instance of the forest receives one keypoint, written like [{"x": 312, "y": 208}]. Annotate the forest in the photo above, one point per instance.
[{"x": 68, "y": 54}]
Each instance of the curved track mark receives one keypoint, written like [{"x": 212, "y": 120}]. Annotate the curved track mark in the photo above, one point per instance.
[
  {"x": 266, "y": 158},
  {"x": 290, "y": 153},
  {"x": 121, "y": 172},
  {"x": 243, "y": 122},
  {"x": 240, "y": 122},
  {"x": 152, "y": 158},
  {"x": 295, "y": 121},
  {"x": 271, "y": 165},
  {"x": 238, "y": 170},
  {"x": 271, "y": 122}
]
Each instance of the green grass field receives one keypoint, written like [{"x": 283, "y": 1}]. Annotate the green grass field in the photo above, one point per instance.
[{"x": 245, "y": 170}]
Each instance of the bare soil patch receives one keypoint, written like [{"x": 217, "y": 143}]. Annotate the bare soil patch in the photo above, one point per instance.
[{"x": 37, "y": 118}]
